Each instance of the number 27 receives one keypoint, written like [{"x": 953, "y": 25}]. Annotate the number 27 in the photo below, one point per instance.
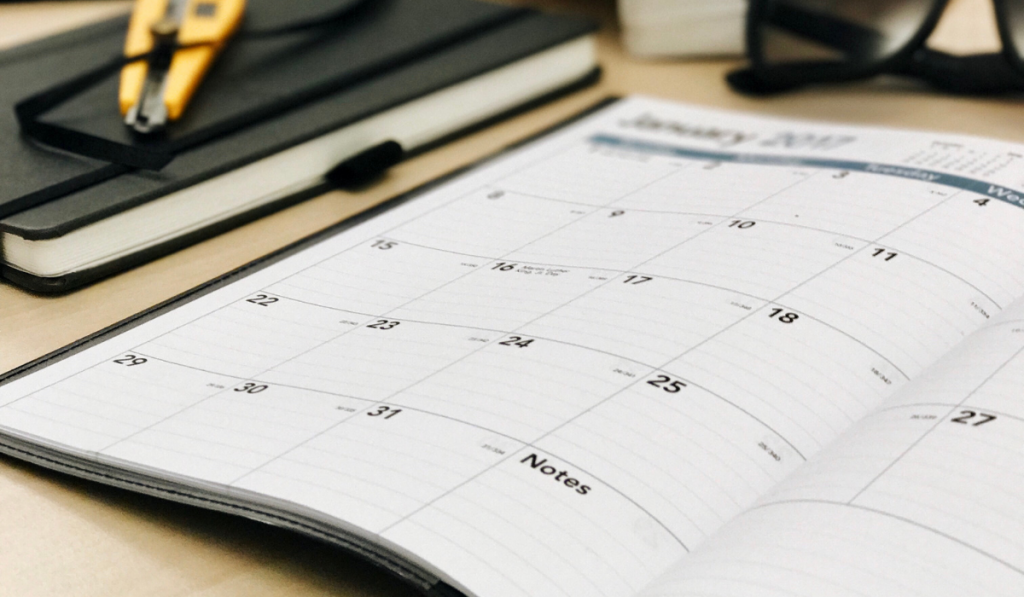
[{"x": 966, "y": 417}]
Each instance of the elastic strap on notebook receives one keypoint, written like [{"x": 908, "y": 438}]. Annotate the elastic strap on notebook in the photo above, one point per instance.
[{"x": 29, "y": 110}]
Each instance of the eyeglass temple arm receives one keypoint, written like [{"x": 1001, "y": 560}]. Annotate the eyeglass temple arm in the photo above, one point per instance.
[{"x": 978, "y": 74}]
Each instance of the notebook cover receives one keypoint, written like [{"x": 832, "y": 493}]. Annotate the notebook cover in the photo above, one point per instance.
[{"x": 360, "y": 59}]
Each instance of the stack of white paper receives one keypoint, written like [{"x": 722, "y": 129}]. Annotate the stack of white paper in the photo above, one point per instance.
[{"x": 683, "y": 27}]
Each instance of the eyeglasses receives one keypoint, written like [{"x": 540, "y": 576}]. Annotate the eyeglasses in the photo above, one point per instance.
[{"x": 794, "y": 43}]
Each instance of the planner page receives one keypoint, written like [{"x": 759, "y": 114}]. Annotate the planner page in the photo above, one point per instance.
[
  {"x": 560, "y": 372},
  {"x": 922, "y": 497}
]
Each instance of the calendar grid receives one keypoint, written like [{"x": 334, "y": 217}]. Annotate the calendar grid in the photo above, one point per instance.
[
  {"x": 905, "y": 520},
  {"x": 533, "y": 444},
  {"x": 600, "y": 354},
  {"x": 653, "y": 368},
  {"x": 492, "y": 261},
  {"x": 938, "y": 422},
  {"x": 635, "y": 269},
  {"x": 779, "y": 222}
]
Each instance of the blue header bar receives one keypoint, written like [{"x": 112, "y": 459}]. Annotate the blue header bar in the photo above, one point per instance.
[{"x": 958, "y": 182}]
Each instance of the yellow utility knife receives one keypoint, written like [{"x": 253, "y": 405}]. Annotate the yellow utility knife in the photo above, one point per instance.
[{"x": 157, "y": 91}]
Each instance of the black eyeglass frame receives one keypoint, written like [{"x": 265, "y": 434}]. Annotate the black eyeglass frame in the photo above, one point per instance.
[{"x": 761, "y": 77}]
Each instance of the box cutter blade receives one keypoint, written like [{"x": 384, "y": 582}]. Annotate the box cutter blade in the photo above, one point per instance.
[{"x": 156, "y": 91}]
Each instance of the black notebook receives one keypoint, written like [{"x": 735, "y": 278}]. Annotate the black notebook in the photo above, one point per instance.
[{"x": 406, "y": 73}]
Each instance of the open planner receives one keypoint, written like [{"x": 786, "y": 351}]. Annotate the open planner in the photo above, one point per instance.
[{"x": 661, "y": 351}]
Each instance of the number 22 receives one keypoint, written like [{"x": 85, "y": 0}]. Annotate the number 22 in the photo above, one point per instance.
[{"x": 384, "y": 324}]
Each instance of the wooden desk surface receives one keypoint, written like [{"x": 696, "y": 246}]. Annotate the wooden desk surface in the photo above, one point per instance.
[{"x": 64, "y": 537}]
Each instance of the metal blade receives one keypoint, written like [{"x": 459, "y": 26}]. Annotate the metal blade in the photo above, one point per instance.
[{"x": 149, "y": 114}]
